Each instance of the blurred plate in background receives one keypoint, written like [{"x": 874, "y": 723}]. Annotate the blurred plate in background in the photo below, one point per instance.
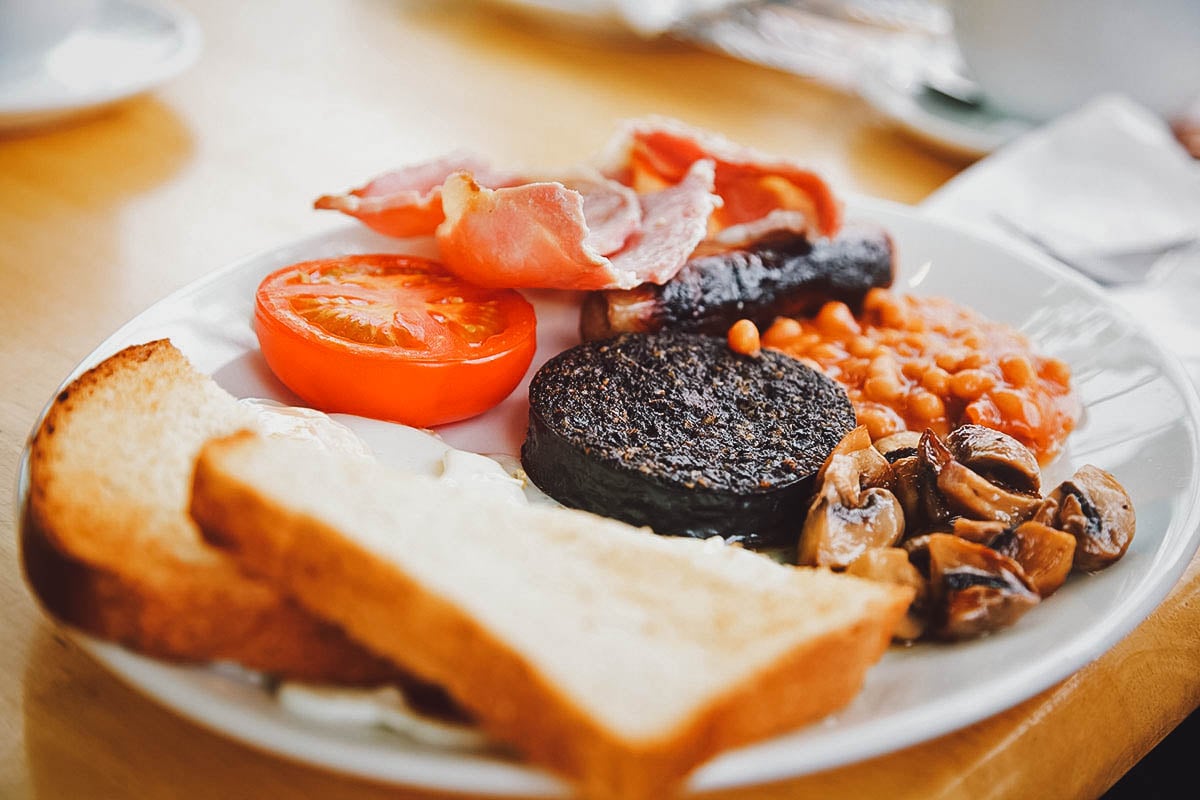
[{"x": 126, "y": 48}]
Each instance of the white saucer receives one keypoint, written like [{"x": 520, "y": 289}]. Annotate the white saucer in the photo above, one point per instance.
[
  {"x": 967, "y": 130},
  {"x": 128, "y": 47}
]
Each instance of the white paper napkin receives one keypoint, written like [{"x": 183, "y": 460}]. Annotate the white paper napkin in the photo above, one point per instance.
[{"x": 1102, "y": 189}]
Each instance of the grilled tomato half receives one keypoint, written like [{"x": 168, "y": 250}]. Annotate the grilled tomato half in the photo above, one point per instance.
[{"x": 392, "y": 337}]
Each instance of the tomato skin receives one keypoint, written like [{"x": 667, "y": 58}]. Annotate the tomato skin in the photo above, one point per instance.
[{"x": 337, "y": 375}]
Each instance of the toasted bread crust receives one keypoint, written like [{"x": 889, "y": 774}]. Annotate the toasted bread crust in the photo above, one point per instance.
[
  {"x": 129, "y": 566},
  {"x": 339, "y": 579}
]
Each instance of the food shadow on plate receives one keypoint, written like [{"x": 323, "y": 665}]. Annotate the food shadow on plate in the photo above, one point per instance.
[
  {"x": 500, "y": 430},
  {"x": 248, "y": 375}
]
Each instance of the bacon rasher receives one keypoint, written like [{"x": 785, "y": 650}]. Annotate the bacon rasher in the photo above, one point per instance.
[
  {"x": 545, "y": 234},
  {"x": 663, "y": 188},
  {"x": 408, "y": 201},
  {"x": 756, "y": 188}
]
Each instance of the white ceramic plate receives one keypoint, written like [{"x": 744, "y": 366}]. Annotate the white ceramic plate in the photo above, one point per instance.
[
  {"x": 1141, "y": 423},
  {"x": 127, "y": 47}
]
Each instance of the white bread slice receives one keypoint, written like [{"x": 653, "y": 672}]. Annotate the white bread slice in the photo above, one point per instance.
[
  {"x": 616, "y": 657},
  {"x": 108, "y": 545}
]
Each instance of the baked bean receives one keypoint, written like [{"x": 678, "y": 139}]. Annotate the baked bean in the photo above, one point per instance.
[
  {"x": 810, "y": 339},
  {"x": 880, "y": 421},
  {"x": 914, "y": 368},
  {"x": 936, "y": 380},
  {"x": 1012, "y": 404},
  {"x": 974, "y": 359},
  {"x": 969, "y": 384},
  {"x": 925, "y": 405},
  {"x": 893, "y": 316},
  {"x": 856, "y": 369},
  {"x": 884, "y": 364},
  {"x": 917, "y": 362},
  {"x": 836, "y": 319},
  {"x": 950, "y": 359},
  {"x": 863, "y": 347},
  {"x": 877, "y": 298},
  {"x": 1017, "y": 370},
  {"x": 783, "y": 328},
  {"x": 882, "y": 388},
  {"x": 1055, "y": 371},
  {"x": 827, "y": 352},
  {"x": 744, "y": 338}
]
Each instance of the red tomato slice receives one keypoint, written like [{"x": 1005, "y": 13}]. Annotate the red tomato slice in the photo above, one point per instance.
[{"x": 392, "y": 337}]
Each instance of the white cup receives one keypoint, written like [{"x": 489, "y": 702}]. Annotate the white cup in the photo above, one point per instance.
[
  {"x": 28, "y": 28},
  {"x": 1039, "y": 58}
]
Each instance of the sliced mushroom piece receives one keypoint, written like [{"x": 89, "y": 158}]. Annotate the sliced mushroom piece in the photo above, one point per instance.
[
  {"x": 836, "y": 533},
  {"x": 855, "y": 457},
  {"x": 906, "y": 486},
  {"x": 978, "y": 531},
  {"x": 900, "y": 450},
  {"x": 1047, "y": 511},
  {"x": 902, "y": 444},
  {"x": 1094, "y": 508},
  {"x": 852, "y": 511},
  {"x": 1046, "y": 554},
  {"x": 931, "y": 456},
  {"x": 891, "y": 565},
  {"x": 918, "y": 552},
  {"x": 974, "y": 589},
  {"x": 969, "y": 494},
  {"x": 997, "y": 457}
]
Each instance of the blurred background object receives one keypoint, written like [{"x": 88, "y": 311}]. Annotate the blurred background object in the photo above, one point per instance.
[
  {"x": 827, "y": 40},
  {"x": 29, "y": 26},
  {"x": 971, "y": 75},
  {"x": 905, "y": 57},
  {"x": 833, "y": 40},
  {"x": 63, "y": 58},
  {"x": 899, "y": 55},
  {"x": 1038, "y": 60}
]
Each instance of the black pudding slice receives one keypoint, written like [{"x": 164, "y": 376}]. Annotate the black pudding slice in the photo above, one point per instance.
[{"x": 676, "y": 431}]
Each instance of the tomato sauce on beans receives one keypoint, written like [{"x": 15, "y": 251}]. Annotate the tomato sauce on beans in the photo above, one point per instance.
[{"x": 911, "y": 363}]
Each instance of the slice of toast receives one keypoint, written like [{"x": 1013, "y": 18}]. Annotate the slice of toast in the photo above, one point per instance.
[
  {"x": 616, "y": 657},
  {"x": 108, "y": 545}
]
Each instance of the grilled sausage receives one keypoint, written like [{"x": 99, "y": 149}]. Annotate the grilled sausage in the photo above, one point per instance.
[{"x": 784, "y": 275}]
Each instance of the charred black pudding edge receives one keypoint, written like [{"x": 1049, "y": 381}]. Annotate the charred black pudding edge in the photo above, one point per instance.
[{"x": 767, "y": 519}]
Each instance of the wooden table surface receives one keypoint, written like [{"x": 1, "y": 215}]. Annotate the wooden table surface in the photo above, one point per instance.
[{"x": 100, "y": 218}]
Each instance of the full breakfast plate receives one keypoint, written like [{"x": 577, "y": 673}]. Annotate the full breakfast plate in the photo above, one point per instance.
[{"x": 1141, "y": 422}]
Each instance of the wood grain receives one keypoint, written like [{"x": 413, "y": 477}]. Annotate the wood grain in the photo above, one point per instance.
[{"x": 101, "y": 217}]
